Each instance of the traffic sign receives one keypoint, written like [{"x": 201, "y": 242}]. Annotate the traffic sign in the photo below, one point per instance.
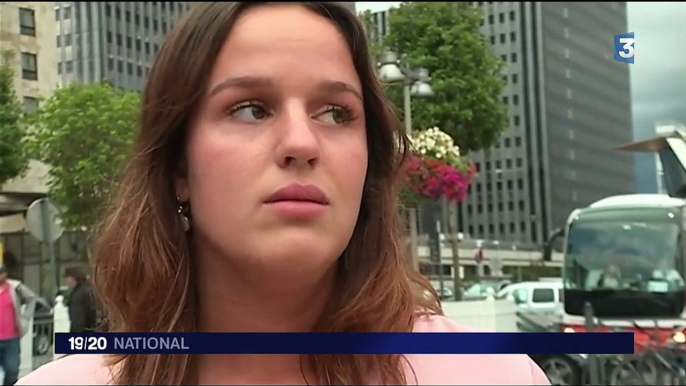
[{"x": 43, "y": 220}]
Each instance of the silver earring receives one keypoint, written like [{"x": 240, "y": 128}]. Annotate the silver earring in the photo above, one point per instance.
[{"x": 185, "y": 222}]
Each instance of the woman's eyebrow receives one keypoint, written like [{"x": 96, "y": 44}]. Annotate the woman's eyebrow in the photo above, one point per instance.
[{"x": 249, "y": 82}]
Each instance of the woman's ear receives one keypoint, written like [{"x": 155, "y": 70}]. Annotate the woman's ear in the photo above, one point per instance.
[
  {"x": 181, "y": 183},
  {"x": 181, "y": 188}
]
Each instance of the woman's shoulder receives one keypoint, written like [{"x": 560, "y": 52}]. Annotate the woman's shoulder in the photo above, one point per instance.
[
  {"x": 469, "y": 369},
  {"x": 80, "y": 369}
]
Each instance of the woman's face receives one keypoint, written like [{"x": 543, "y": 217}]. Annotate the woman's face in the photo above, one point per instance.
[{"x": 283, "y": 109}]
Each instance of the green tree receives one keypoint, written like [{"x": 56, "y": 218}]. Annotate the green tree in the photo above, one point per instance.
[
  {"x": 85, "y": 133},
  {"x": 13, "y": 160},
  {"x": 445, "y": 38}
]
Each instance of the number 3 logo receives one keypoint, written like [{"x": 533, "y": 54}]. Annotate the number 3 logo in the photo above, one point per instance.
[{"x": 628, "y": 48}]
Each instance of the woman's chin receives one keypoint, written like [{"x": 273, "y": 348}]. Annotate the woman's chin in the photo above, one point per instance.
[{"x": 298, "y": 252}]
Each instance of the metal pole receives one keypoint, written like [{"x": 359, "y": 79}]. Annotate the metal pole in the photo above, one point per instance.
[
  {"x": 413, "y": 211},
  {"x": 47, "y": 237},
  {"x": 440, "y": 257},
  {"x": 593, "y": 366}
]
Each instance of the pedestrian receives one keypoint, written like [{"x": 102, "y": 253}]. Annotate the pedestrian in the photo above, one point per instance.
[
  {"x": 13, "y": 323},
  {"x": 81, "y": 303},
  {"x": 262, "y": 197}
]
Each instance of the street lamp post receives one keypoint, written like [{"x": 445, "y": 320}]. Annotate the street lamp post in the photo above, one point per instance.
[{"x": 415, "y": 83}]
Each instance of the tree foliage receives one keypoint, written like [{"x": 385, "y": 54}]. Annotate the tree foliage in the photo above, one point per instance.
[
  {"x": 13, "y": 160},
  {"x": 84, "y": 132},
  {"x": 445, "y": 38}
]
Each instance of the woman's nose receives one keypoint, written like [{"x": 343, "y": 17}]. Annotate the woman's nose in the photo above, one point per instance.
[{"x": 299, "y": 143}]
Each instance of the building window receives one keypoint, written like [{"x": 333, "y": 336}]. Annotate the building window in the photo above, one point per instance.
[
  {"x": 30, "y": 105},
  {"x": 29, "y": 66},
  {"x": 27, "y": 22}
]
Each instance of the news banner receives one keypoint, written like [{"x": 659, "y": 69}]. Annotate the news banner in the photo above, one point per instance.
[{"x": 531, "y": 343}]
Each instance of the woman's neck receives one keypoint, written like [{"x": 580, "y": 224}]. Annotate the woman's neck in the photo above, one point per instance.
[{"x": 232, "y": 299}]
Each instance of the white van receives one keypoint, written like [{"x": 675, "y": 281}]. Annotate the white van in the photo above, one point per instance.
[{"x": 540, "y": 297}]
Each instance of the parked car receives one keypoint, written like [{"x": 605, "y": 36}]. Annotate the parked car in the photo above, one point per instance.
[
  {"x": 539, "y": 297},
  {"x": 481, "y": 289},
  {"x": 447, "y": 293}
]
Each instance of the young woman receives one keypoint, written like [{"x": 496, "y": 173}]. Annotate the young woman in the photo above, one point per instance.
[{"x": 262, "y": 198}]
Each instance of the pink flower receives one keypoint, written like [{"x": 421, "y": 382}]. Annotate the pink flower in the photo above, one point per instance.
[{"x": 431, "y": 178}]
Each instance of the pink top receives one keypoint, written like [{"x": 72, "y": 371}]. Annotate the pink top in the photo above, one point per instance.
[
  {"x": 8, "y": 318},
  {"x": 86, "y": 369}
]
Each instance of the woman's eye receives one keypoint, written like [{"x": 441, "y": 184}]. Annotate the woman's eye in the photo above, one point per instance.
[
  {"x": 249, "y": 112},
  {"x": 335, "y": 115}
]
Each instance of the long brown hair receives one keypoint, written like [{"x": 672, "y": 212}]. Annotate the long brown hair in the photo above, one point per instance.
[{"x": 144, "y": 272}]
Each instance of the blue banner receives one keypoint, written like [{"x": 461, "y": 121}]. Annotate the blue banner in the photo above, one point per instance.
[{"x": 532, "y": 343}]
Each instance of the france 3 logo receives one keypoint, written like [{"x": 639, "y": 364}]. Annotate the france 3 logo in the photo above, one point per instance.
[{"x": 624, "y": 48}]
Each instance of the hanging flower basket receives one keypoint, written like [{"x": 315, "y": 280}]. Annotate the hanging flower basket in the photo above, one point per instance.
[{"x": 435, "y": 169}]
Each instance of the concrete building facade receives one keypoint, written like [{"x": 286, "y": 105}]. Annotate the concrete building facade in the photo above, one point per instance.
[
  {"x": 27, "y": 28},
  {"x": 569, "y": 107}
]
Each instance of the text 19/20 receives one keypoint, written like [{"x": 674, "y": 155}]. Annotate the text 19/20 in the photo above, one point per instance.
[{"x": 87, "y": 343}]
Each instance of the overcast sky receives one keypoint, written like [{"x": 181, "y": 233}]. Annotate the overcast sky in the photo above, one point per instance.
[{"x": 658, "y": 77}]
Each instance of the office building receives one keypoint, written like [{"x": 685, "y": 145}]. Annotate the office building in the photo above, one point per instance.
[
  {"x": 27, "y": 28},
  {"x": 113, "y": 41},
  {"x": 569, "y": 105}
]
